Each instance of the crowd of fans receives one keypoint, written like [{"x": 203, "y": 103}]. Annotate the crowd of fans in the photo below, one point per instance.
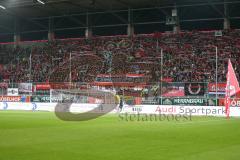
[{"x": 182, "y": 57}]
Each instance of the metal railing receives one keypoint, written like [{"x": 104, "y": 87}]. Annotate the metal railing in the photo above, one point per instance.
[{"x": 169, "y": 93}]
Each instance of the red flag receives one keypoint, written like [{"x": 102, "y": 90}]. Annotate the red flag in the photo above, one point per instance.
[{"x": 232, "y": 87}]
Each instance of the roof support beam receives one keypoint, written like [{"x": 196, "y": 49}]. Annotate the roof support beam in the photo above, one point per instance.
[
  {"x": 17, "y": 36},
  {"x": 226, "y": 23},
  {"x": 115, "y": 14},
  {"x": 160, "y": 7},
  {"x": 215, "y": 8}
]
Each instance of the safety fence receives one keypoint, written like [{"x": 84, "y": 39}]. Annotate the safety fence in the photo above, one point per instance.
[{"x": 165, "y": 93}]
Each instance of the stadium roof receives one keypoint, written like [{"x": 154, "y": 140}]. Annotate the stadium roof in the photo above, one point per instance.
[
  {"x": 32, "y": 8},
  {"x": 61, "y": 7},
  {"x": 109, "y": 17}
]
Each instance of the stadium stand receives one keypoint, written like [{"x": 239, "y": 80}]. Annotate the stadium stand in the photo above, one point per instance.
[{"x": 188, "y": 57}]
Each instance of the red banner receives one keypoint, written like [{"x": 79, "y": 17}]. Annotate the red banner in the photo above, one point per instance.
[
  {"x": 167, "y": 79},
  {"x": 43, "y": 87},
  {"x": 220, "y": 87},
  {"x": 61, "y": 85},
  {"x": 235, "y": 102},
  {"x": 10, "y": 99},
  {"x": 174, "y": 93}
]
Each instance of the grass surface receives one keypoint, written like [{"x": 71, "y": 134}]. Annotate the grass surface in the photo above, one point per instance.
[{"x": 41, "y": 136}]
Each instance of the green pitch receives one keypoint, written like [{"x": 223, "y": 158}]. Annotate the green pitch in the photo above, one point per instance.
[{"x": 41, "y": 136}]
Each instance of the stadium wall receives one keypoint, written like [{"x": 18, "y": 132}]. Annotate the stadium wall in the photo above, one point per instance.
[{"x": 134, "y": 109}]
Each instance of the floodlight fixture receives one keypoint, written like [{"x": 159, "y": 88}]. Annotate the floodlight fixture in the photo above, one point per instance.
[
  {"x": 2, "y": 7},
  {"x": 41, "y": 1}
]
